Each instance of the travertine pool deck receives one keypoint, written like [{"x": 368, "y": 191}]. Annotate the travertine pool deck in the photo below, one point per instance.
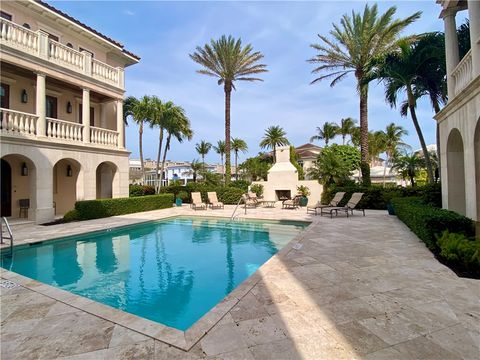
[{"x": 356, "y": 288}]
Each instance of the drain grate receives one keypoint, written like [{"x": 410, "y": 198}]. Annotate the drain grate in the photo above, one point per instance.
[{"x": 7, "y": 284}]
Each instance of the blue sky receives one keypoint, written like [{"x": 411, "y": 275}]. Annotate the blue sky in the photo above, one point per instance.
[{"x": 164, "y": 33}]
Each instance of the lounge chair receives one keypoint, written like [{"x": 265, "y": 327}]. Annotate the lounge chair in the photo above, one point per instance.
[
  {"x": 349, "y": 207},
  {"x": 292, "y": 203},
  {"x": 254, "y": 198},
  {"x": 334, "y": 202},
  {"x": 213, "y": 201},
  {"x": 249, "y": 202},
  {"x": 197, "y": 202}
]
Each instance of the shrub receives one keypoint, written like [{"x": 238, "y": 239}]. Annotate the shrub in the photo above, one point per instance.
[
  {"x": 457, "y": 249},
  {"x": 229, "y": 194},
  {"x": 241, "y": 184},
  {"x": 95, "y": 209},
  {"x": 141, "y": 190},
  {"x": 257, "y": 189},
  {"x": 303, "y": 190},
  {"x": 428, "y": 222},
  {"x": 72, "y": 215},
  {"x": 185, "y": 196}
]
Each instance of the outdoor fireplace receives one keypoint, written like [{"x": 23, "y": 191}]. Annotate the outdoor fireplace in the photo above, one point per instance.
[{"x": 283, "y": 195}]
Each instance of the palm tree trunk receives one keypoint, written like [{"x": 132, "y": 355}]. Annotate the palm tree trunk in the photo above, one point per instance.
[
  {"x": 274, "y": 154},
  {"x": 236, "y": 165},
  {"x": 157, "y": 177},
  {"x": 411, "y": 105},
  {"x": 167, "y": 146},
  {"x": 140, "y": 149},
  {"x": 364, "y": 165},
  {"x": 228, "y": 169},
  {"x": 385, "y": 170},
  {"x": 343, "y": 139},
  {"x": 436, "y": 108},
  {"x": 223, "y": 168}
]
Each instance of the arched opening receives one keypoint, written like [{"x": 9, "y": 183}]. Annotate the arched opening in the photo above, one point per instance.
[
  {"x": 105, "y": 176},
  {"x": 18, "y": 179},
  {"x": 65, "y": 176},
  {"x": 476, "y": 150},
  {"x": 456, "y": 173}
]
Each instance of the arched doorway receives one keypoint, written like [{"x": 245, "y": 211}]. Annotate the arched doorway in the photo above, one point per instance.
[
  {"x": 456, "y": 173},
  {"x": 476, "y": 151},
  {"x": 65, "y": 175},
  {"x": 18, "y": 179},
  {"x": 105, "y": 176}
]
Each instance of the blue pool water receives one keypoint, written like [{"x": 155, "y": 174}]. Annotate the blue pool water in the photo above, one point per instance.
[{"x": 171, "y": 271}]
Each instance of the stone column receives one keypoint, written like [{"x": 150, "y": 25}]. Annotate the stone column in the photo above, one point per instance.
[
  {"x": 42, "y": 44},
  {"x": 474, "y": 16},
  {"x": 86, "y": 115},
  {"x": 120, "y": 124},
  {"x": 41, "y": 105},
  {"x": 451, "y": 49}
]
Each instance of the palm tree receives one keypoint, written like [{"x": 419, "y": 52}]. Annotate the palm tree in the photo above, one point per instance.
[
  {"x": 203, "y": 148},
  {"x": 393, "y": 143},
  {"x": 139, "y": 111},
  {"x": 355, "y": 137},
  {"x": 220, "y": 149},
  {"x": 329, "y": 169},
  {"x": 238, "y": 145},
  {"x": 346, "y": 128},
  {"x": 408, "y": 165},
  {"x": 274, "y": 136},
  {"x": 376, "y": 144},
  {"x": 327, "y": 132},
  {"x": 400, "y": 72},
  {"x": 228, "y": 61},
  {"x": 177, "y": 125},
  {"x": 155, "y": 109},
  {"x": 195, "y": 167},
  {"x": 354, "y": 48}
]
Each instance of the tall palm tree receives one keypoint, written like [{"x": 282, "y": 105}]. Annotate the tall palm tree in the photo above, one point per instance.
[
  {"x": 346, "y": 127},
  {"x": 195, "y": 168},
  {"x": 274, "y": 136},
  {"x": 238, "y": 145},
  {"x": 393, "y": 143},
  {"x": 139, "y": 111},
  {"x": 177, "y": 125},
  {"x": 228, "y": 61},
  {"x": 355, "y": 137},
  {"x": 354, "y": 47},
  {"x": 401, "y": 72},
  {"x": 376, "y": 144},
  {"x": 327, "y": 132},
  {"x": 155, "y": 109},
  {"x": 203, "y": 149},
  {"x": 408, "y": 165},
  {"x": 220, "y": 149}
]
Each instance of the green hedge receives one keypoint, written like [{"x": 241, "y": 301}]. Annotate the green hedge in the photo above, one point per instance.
[
  {"x": 429, "y": 222},
  {"x": 460, "y": 251},
  {"x": 226, "y": 194},
  {"x": 95, "y": 209},
  {"x": 140, "y": 190},
  {"x": 377, "y": 197}
]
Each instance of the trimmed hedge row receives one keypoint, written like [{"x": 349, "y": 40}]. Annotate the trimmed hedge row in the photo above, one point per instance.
[
  {"x": 226, "y": 194},
  {"x": 377, "y": 197},
  {"x": 429, "y": 222},
  {"x": 140, "y": 190},
  {"x": 95, "y": 209}
]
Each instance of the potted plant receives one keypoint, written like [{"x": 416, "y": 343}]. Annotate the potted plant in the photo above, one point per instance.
[
  {"x": 257, "y": 189},
  {"x": 304, "y": 192}
]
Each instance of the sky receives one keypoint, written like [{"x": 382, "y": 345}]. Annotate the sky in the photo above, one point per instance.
[{"x": 163, "y": 34}]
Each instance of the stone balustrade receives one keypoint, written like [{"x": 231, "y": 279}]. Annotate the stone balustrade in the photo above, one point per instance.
[
  {"x": 463, "y": 73},
  {"x": 64, "y": 130},
  {"x": 17, "y": 122},
  {"x": 103, "y": 136},
  {"x": 37, "y": 43}
]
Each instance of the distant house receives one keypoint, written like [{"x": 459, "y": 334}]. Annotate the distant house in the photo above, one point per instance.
[
  {"x": 176, "y": 171},
  {"x": 307, "y": 155}
]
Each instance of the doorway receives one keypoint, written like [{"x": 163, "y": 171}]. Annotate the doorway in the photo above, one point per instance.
[{"x": 6, "y": 189}]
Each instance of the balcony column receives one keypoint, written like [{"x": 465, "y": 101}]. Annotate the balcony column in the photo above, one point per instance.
[
  {"x": 120, "y": 124},
  {"x": 451, "y": 49},
  {"x": 86, "y": 115},
  {"x": 474, "y": 16},
  {"x": 41, "y": 105}
]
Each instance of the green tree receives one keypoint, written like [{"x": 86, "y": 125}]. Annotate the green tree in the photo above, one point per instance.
[
  {"x": 195, "y": 168},
  {"x": 294, "y": 160},
  {"x": 274, "y": 136},
  {"x": 220, "y": 149},
  {"x": 376, "y": 144},
  {"x": 155, "y": 109},
  {"x": 354, "y": 47},
  {"x": 327, "y": 132},
  {"x": 228, "y": 61},
  {"x": 408, "y": 165},
  {"x": 330, "y": 169},
  {"x": 393, "y": 144},
  {"x": 237, "y": 146},
  {"x": 203, "y": 148},
  {"x": 256, "y": 168},
  {"x": 350, "y": 155},
  {"x": 355, "y": 137},
  {"x": 346, "y": 127}
]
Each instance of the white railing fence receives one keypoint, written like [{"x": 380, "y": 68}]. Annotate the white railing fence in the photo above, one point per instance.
[
  {"x": 18, "y": 36},
  {"x": 104, "y": 72},
  {"x": 463, "y": 73},
  {"x": 18, "y": 122},
  {"x": 64, "y": 55},
  {"x": 65, "y": 130},
  {"x": 103, "y": 136}
]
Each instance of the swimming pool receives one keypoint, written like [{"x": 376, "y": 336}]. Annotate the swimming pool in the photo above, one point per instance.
[{"x": 171, "y": 271}]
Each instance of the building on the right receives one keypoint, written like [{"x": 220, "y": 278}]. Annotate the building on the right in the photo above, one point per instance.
[{"x": 459, "y": 120}]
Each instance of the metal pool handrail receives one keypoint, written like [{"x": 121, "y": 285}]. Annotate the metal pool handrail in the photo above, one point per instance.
[
  {"x": 4, "y": 220},
  {"x": 236, "y": 207}
]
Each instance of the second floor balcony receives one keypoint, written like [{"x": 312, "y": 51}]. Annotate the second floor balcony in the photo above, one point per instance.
[{"x": 39, "y": 45}]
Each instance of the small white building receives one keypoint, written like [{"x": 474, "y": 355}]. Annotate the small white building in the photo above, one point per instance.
[{"x": 176, "y": 171}]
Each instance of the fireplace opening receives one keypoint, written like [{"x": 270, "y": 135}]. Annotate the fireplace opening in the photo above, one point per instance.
[{"x": 283, "y": 194}]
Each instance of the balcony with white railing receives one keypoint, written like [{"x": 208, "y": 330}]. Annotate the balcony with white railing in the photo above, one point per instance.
[
  {"x": 37, "y": 44},
  {"x": 64, "y": 130},
  {"x": 463, "y": 73},
  {"x": 18, "y": 123},
  {"x": 104, "y": 137}
]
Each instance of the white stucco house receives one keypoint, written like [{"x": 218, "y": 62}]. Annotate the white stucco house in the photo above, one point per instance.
[
  {"x": 61, "y": 131},
  {"x": 459, "y": 120}
]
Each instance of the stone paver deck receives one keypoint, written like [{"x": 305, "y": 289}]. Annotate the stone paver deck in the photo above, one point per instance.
[{"x": 356, "y": 288}]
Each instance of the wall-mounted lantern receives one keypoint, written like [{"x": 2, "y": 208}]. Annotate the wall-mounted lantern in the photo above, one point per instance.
[
  {"x": 69, "y": 107},
  {"x": 69, "y": 171},
  {"x": 24, "y": 169},
  {"x": 24, "y": 96}
]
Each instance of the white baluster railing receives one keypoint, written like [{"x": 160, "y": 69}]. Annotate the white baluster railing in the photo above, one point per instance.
[
  {"x": 463, "y": 73},
  {"x": 17, "y": 122},
  {"x": 105, "y": 72},
  {"x": 103, "y": 136},
  {"x": 64, "y": 130},
  {"x": 17, "y": 36},
  {"x": 64, "y": 55}
]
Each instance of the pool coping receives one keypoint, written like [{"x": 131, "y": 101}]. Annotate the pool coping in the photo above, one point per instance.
[{"x": 183, "y": 340}]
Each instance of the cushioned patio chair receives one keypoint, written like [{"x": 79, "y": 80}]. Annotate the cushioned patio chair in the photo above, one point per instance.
[
  {"x": 197, "y": 202},
  {"x": 213, "y": 200},
  {"x": 351, "y": 205},
  {"x": 253, "y": 198},
  {"x": 248, "y": 201},
  {"x": 292, "y": 203},
  {"x": 334, "y": 202}
]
